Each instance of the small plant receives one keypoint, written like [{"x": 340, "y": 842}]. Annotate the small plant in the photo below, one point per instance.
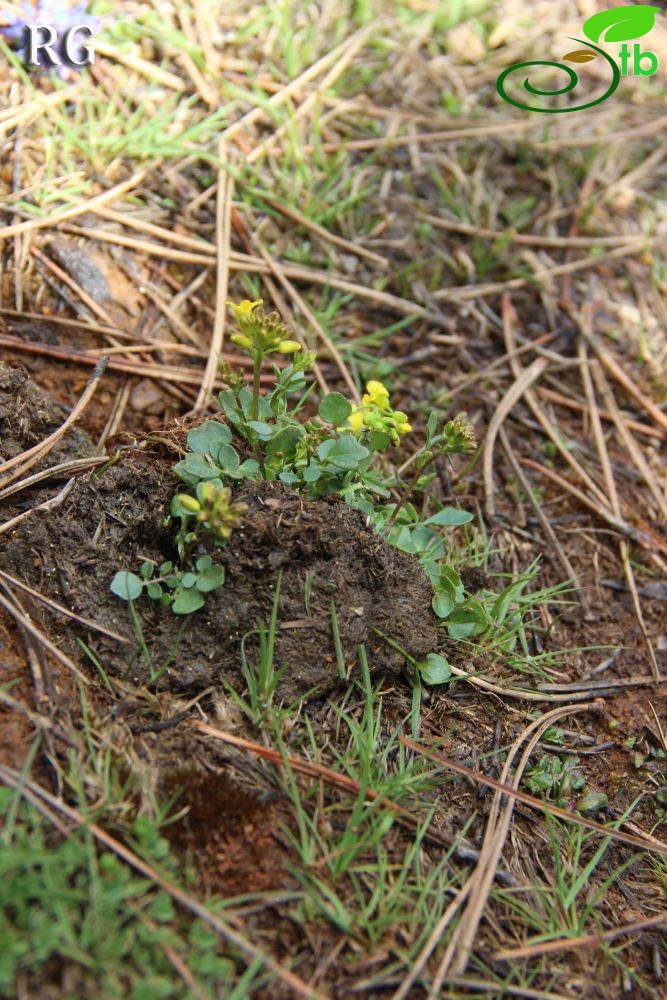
[
  {"x": 267, "y": 437},
  {"x": 561, "y": 782}
]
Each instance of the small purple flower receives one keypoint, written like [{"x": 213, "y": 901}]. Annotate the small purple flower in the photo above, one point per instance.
[{"x": 59, "y": 19}]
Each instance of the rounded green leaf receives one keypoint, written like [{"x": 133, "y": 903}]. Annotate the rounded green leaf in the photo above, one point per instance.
[
  {"x": 621, "y": 23},
  {"x": 435, "y": 669},
  {"x": 335, "y": 408},
  {"x": 187, "y": 601},
  {"x": 449, "y": 517},
  {"x": 591, "y": 803},
  {"x": 311, "y": 473},
  {"x": 199, "y": 466},
  {"x": 146, "y": 570},
  {"x": 227, "y": 458},
  {"x": 154, "y": 591},
  {"x": 346, "y": 453},
  {"x": 263, "y": 430},
  {"x": 443, "y": 605},
  {"x": 188, "y": 580},
  {"x": 127, "y": 586},
  {"x": 209, "y": 434},
  {"x": 203, "y": 563},
  {"x": 213, "y": 577}
]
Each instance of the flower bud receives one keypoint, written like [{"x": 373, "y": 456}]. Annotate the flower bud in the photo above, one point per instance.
[
  {"x": 190, "y": 503},
  {"x": 241, "y": 340},
  {"x": 288, "y": 346}
]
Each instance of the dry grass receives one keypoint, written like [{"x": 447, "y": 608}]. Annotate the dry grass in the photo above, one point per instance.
[{"x": 354, "y": 167}]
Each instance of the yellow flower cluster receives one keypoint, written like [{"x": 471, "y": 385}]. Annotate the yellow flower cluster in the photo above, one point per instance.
[
  {"x": 261, "y": 334},
  {"x": 216, "y": 511},
  {"x": 375, "y": 413}
]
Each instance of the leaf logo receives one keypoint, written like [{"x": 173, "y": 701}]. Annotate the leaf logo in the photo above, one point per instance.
[
  {"x": 620, "y": 24},
  {"x": 580, "y": 56}
]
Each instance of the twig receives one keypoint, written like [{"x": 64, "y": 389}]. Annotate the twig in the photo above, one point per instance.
[
  {"x": 511, "y": 397},
  {"x": 539, "y": 513},
  {"x": 529, "y": 239},
  {"x": 25, "y": 623},
  {"x": 460, "y": 946},
  {"x": 581, "y": 941},
  {"x": 611, "y": 488},
  {"x": 461, "y": 850},
  {"x": 94, "y": 626},
  {"x": 223, "y": 231},
  {"x": 39, "y": 451},
  {"x": 544, "y": 807},
  {"x": 615, "y": 369},
  {"x": 74, "y": 210}
]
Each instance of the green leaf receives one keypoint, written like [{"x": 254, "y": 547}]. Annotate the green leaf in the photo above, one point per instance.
[
  {"x": 161, "y": 908},
  {"x": 127, "y": 586},
  {"x": 249, "y": 468},
  {"x": 154, "y": 591},
  {"x": 591, "y": 803},
  {"x": 187, "y": 477},
  {"x": 311, "y": 473},
  {"x": 283, "y": 446},
  {"x": 187, "y": 601},
  {"x": 435, "y": 669},
  {"x": 403, "y": 540},
  {"x": 228, "y": 459},
  {"x": 188, "y": 580},
  {"x": 334, "y": 409},
  {"x": 213, "y": 577},
  {"x": 203, "y": 563},
  {"x": 263, "y": 430},
  {"x": 288, "y": 477},
  {"x": 467, "y": 621},
  {"x": 443, "y": 605},
  {"x": 146, "y": 570},
  {"x": 378, "y": 441},
  {"x": 346, "y": 453},
  {"x": 451, "y": 580},
  {"x": 166, "y": 567},
  {"x": 449, "y": 517},
  {"x": 199, "y": 466},
  {"x": 505, "y": 599},
  {"x": 207, "y": 435},
  {"x": 623, "y": 23}
]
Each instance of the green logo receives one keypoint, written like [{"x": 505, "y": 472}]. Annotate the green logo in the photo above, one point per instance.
[{"x": 619, "y": 25}]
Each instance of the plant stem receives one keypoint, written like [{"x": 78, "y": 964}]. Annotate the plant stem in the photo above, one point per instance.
[
  {"x": 257, "y": 367},
  {"x": 403, "y": 498}
]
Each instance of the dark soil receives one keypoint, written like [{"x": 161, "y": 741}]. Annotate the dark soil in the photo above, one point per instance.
[
  {"x": 28, "y": 415},
  {"x": 322, "y": 553}
]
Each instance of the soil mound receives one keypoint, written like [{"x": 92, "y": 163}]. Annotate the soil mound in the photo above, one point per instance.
[{"x": 322, "y": 552}]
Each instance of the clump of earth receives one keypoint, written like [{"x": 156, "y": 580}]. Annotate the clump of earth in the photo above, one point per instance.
[{"x": 321, "y": 552}]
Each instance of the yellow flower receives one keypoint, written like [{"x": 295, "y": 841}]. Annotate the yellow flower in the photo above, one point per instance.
[
  {"x": 404, "y": 428},
  {"x": 356, "y": 419},
  {"x": 376, "y": 393},
  {"x": 244, "y": 309}
]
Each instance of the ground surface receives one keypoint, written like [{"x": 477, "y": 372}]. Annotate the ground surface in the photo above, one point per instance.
[{"x": 414, "y": 228}]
